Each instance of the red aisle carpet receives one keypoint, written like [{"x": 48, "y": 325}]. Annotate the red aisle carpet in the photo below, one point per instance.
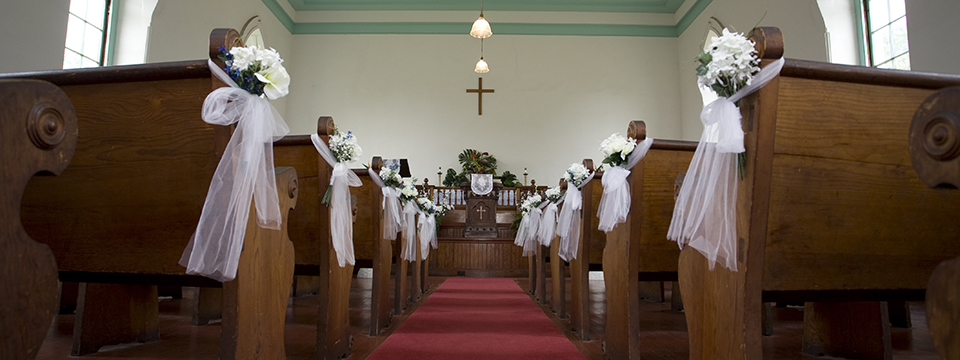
[{"x": 477, "y": 318}]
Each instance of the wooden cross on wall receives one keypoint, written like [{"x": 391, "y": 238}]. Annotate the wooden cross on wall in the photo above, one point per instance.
[{"x": 480, "y": 90}]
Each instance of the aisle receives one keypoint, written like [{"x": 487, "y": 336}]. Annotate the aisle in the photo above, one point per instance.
[{"x": 477, "y": 318}]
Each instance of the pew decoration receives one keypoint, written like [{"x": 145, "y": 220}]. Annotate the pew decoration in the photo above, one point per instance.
[
  {"x": 246, "y": 169},
  {"x": 704, "y": 216},
  {"x": 548, "y": 221},
  {"x": 390, "y": 184},
  {"x": 430, "y": 215},
  {"x": 527, "y": 234},
  {"x": 343, "y": 149},
  {"x": 622, "y": 154},
  {"x": 568, "y": 224},
  {"x": 408, "y": 222}
]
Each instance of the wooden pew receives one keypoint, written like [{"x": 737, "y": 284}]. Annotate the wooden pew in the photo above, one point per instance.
[
  {"x": 827, "y": 212},
  {"x": 310, "y": 233},
  {"x": 371, "y": 248},
  {"x": 580, "y": 267},
  {"x": 934, "y": 145},
  {"x": 638, "y": 249},
  {"x": 38, "y": 130},
  {"x": 120, "y": 216}
]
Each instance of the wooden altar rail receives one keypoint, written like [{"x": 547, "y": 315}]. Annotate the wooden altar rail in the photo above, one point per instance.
[
  {"x": 827, "y": 212},
  {"x": 124, "y": 209},
  {"x": 509, "y": 197},
  {"x": 28, "y": 269}
]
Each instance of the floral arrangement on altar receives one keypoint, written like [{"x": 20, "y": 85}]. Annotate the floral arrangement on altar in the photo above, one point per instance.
[
  {"x": 344, "y": 146},
  {"x": 576, "y": 174},
  {"x": 256, "y": 70},
  {"x": 729, "y": 65},
  {"x": 475, "y": 162},
  {"x": 617, "y": 148},
  {"x": 553, "y": 194},
  {"x": 391, "y": 176}
]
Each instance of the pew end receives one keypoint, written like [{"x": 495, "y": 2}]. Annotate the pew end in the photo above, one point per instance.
[
  {"x": 824, "y": 183},
  {"x": 38, "y": 130}
]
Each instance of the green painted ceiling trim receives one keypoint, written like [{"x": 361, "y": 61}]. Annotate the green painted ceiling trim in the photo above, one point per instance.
[
  {"x": 634, "y": 6},
  {"x": 499, "y": 29},
  {"x": 691, "y": 15},
  {"x": 447, "y": 28},
  {"x": 280, "y": 14}
]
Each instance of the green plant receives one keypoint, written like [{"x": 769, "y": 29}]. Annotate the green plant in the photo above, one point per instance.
[
  {"x": 475, "y": 162},
  {"x": 452, "y": 179},
  {"x": 509, "y": 179}
]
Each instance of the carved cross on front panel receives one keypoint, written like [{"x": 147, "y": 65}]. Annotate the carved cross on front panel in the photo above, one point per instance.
[
  {"x": 480, "y": 90},
  {"x": 481, "y": 209}
]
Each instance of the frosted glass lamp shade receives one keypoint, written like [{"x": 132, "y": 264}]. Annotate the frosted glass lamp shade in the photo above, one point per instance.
[
  {"x": 482, "y": 67},
  {"x": 481, "y": 28}
]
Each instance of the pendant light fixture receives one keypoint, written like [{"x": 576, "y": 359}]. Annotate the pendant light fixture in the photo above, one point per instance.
[
  {"x": 481, "y": 28},
  {"x": 482, "y": 67}
]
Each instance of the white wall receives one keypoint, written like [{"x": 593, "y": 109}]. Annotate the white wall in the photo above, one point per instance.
[
  {"x": 932, "y": 28},
  {"x": 556, "y": 97},
  {"x": 803, "y": 33},
  {"x": 34, "y": 33},
  {"x": 840, "y": 18}
]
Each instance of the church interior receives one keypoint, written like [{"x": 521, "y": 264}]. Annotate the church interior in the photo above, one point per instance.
[{"x": 445, "y": 184}]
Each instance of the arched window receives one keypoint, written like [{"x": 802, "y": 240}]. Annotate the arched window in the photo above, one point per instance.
[
  {"x": 86, "y": 34},
  {"x": 714, "y": 29}
]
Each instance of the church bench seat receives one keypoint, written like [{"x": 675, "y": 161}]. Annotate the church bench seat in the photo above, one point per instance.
[
  {"x": 120, "y": 216},
  {"x": 638, "y": 250},
  {"x": 828, "y": 212},
  {"x": 38, "y": 129}
]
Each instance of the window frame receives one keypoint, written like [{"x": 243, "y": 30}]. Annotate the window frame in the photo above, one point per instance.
[
  {"x": 866, "y": 35},
  {"x": 107, "y": 32}
]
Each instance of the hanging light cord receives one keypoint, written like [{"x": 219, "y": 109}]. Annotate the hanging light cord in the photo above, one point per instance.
[{"x": 481, "y": 49}]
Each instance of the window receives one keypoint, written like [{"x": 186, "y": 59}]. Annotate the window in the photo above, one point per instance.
[
  {"x": 885, "y": 25},
  {"x": 86, "y": 33}
]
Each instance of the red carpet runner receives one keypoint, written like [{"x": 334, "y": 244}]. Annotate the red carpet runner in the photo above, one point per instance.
[{"x": 477, "y": 318}]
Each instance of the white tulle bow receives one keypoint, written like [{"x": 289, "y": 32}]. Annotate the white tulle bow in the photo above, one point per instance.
[
  {"x": 341, "y": 217},
  {"x": 527, "y": 235},
  {"x": 391, "y": 212},
  {"x": 428, "y": 233},
  {"x": 568, "y": 223},
  {"x": 548, "y": 225},
  {"x": 245, "y": 172},
  {"x": 409, "y": 227},
  {"x": 704, "y": 216},
  {"x": 615, "y": 201}
]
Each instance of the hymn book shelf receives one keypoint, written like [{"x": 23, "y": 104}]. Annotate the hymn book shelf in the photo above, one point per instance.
[
  {"x": 828, "y": 210},
  {"x": 125, "y": 208}
]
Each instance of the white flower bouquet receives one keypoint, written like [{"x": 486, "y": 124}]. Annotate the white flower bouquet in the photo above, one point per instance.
[
  {"x": 258, "y": 71},
  {"x": 553, "y": 194},
  {"x": 344, "y": 146},
  {"x": 617, "y": 148},
  {"x": 729, "y": 65},
  {"x": 576, "y": 174},
  {"x": 532, "y": 202},
  {"x": 391, "y": 176},
  {"x": 409, "y": 192},
  {"x": 426, "y": 205}
]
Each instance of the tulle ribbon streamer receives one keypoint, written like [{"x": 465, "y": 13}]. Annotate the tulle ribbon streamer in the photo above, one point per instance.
[
  {"x": 245, "y": 172},
  {"x": 615, "y": 201},
  {"x": 390, "y": 205},
  {"x": 428, "y": 233},
  {"x": 341, "y": 217},
  {"x": 568, "y": 223},
  {"x": 704, "y": 216},
  {"x": 527, "y": 234},
  {"x": 548, "y": 224},
  {"x": 409, "y": 227}
]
